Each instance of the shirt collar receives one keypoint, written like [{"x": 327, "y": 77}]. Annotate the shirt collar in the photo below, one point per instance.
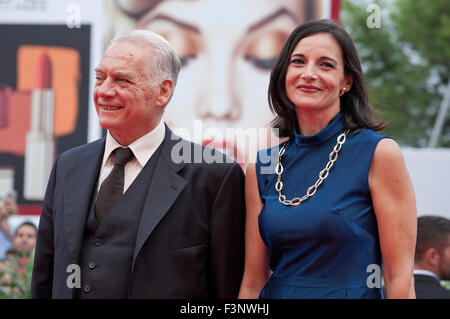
[
  {"x": 426, "y": 273},
  {"x": 142, "y": 148}
]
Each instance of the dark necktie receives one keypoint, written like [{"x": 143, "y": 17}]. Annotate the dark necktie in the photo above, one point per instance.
[{"x": 112, "y": 188}]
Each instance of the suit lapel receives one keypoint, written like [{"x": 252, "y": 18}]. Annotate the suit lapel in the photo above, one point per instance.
[
  {"x": 165, "y": 187},
  {"x": 79, "y": 187}
]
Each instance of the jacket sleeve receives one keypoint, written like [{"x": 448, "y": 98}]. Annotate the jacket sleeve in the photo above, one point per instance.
[
  {"x": 227, "y": 224},
  {"x": 42, "y": 276}
]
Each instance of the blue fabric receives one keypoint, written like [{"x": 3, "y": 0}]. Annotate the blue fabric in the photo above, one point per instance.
[
  {"x": 5, "y": 244},
  {"x": 323, "y": 247}
]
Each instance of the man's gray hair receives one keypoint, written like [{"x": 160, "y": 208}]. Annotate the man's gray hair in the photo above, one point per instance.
[{"x": 164, "y": 63}]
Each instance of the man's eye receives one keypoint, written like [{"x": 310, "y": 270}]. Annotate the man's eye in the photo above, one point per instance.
[{"x": 264, "y": 64}]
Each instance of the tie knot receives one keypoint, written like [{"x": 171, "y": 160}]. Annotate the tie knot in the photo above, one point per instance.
[{"x": 123, "y": 155}]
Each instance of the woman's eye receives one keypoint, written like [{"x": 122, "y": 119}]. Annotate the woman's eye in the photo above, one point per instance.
[
  {"x": 327, "y": 64},
  {"x": 264, "y": 64},
  {"x": 261, "y": 49},
  {"x": 297, "y": 61}
]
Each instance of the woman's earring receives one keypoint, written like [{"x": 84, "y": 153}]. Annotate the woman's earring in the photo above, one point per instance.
[{"x": 343, "y": 91}]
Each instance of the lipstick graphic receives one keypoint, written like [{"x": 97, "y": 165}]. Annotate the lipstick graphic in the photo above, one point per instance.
[{"x": 40, "y": 146}]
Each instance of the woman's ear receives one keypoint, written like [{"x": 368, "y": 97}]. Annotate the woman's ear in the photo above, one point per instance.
[{"x": 348, "y": 82}]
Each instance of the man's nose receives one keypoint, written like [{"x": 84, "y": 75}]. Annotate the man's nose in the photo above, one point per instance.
[{"x": 106, "y": 88}]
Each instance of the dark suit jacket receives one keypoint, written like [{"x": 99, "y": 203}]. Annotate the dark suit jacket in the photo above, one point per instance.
[
  {"x": 428, "y": 287},
  {"x": 190, "y": 240}
]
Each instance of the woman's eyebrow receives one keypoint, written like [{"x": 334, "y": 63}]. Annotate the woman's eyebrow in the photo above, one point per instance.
[
  {"x": 271, "y": 17},
  {"x": 324, "y": 57},
  {"x": 172, "y": 20}
]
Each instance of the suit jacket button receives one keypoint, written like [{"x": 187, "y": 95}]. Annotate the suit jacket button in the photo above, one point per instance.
[
  {"x": 98, "y": 242},
  {"x": 92, "y": 265},
  {"x": 87, "y": 288}
]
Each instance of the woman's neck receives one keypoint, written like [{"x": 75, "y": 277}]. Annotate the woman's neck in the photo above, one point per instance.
[{"x": 311, "y": 123}]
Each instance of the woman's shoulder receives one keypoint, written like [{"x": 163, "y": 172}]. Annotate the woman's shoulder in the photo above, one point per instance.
[
  {"x": 367, "y": 138},
  {"x": 368, "y": 134},
  {"x": 388, "y": 149}
]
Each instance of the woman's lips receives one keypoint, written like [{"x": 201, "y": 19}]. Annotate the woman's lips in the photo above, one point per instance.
[{"x": 309, "y": 88}]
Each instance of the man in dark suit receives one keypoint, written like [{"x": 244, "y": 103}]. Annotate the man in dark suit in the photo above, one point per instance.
[
  {"x": 432, "y": 257},
  {"x": 141, "y": 213}
]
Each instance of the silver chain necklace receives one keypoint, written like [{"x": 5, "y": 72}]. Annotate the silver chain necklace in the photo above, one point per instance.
[{"x": 322, "y": 175}]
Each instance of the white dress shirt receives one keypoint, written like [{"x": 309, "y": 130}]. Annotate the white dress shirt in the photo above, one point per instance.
[
  {"x": 426, "y": 273},
  {"x": 143, "y": 148}
]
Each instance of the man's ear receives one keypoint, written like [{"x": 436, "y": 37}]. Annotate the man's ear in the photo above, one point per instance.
[
  {"x": 164, "y": 91},
  {"x": 432, "y": 257}
]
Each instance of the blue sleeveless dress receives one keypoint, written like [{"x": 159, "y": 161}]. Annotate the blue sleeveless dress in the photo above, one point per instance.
[{"x": 328, "y": 246}]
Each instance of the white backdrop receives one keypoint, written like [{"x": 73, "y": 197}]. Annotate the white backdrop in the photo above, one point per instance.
[{"x": 430, "y": 174}]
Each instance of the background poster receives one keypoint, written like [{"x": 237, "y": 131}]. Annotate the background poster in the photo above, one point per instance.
[
  {"x": 227, "y": 49},
  {"x": 46, "y": 56}
]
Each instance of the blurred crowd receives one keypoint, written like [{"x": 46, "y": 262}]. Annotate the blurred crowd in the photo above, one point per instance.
[{"x": 16, "y": 252}]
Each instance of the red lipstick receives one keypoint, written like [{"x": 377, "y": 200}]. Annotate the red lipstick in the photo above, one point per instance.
[{"x": 40, "y": 146}]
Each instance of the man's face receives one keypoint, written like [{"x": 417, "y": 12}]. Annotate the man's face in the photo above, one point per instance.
[
  {"x": 444, "y": 263},
  {"x": 7, "y": 208},
  {"x": 25, "y": 239},
  {"x": 124, "y": 100}
]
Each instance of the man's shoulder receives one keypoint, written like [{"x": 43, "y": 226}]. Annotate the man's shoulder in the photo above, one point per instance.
[
  {"x": 82, "y": 150},
  {"x": 195, "y": 155},
  {"x": 429, "y": 287}
]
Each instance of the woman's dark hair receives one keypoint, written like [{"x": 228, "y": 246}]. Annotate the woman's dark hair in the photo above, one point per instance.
[{"x": 355, "y": 108}]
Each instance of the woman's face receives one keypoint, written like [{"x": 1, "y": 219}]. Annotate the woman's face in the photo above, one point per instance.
[
  {"x": 315, "y": 75},
  {"x": 227, "y": 49}
]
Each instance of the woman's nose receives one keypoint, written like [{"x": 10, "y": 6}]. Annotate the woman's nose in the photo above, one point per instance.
[
  {"x": 309, "y": 73},
  {"x": 219, "y": 100}
]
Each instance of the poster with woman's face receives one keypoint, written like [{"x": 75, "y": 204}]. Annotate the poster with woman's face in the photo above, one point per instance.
[{"x": 227, "y": 49}]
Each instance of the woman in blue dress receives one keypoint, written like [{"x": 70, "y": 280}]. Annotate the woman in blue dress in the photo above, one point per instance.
[{"x": 332, "y": 207}]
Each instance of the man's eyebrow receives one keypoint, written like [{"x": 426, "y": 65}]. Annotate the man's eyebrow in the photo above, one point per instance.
[
  {"x": 271, "y": 17},
  {"x": 123, "y": 74},
  {"x": 117, "y": 73},
  {"x": 172, "y": 20}
]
